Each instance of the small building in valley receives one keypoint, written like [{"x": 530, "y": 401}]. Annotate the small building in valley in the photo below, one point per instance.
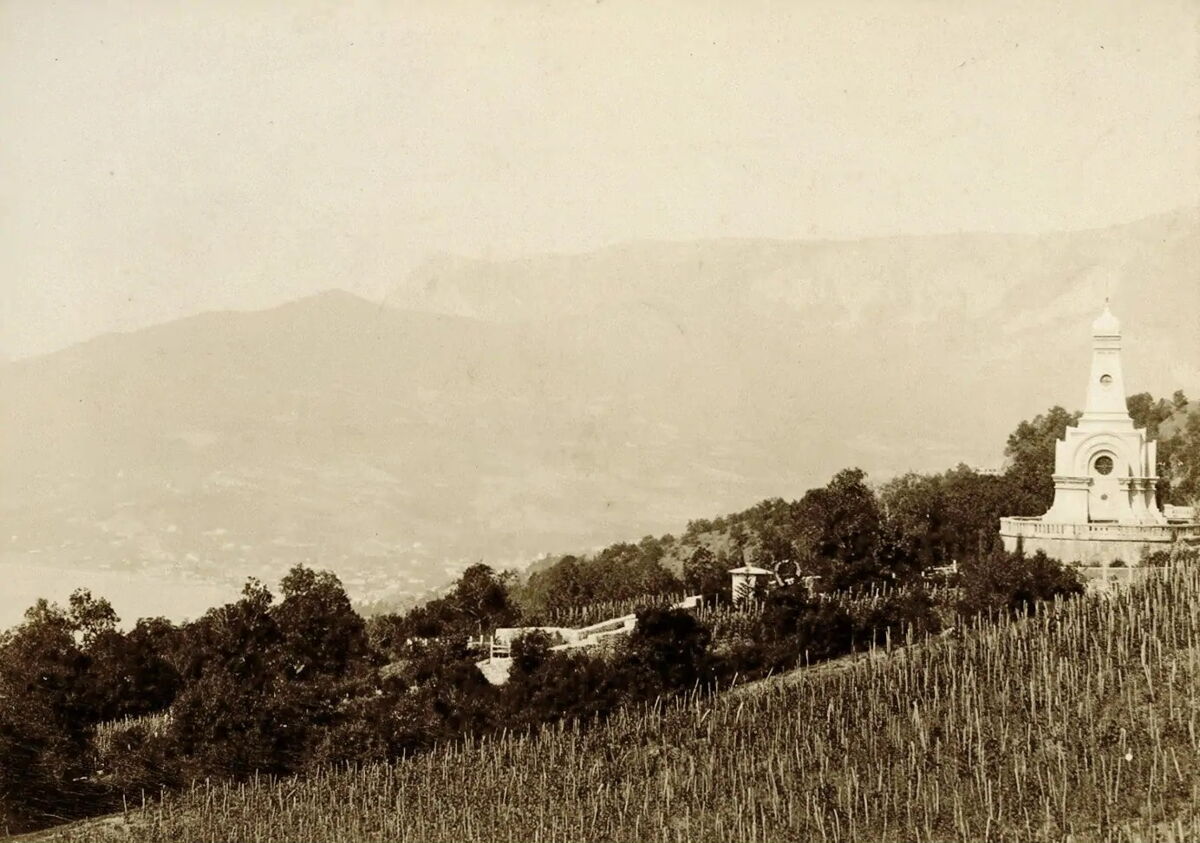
[{"x": 747, "y": 581}]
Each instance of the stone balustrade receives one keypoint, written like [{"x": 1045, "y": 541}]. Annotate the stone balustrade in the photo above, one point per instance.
[{"x": 1036, "y": 528}]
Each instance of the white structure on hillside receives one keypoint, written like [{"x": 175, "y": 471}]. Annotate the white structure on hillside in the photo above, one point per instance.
[
  {"x": 745, "y": 581},
  {"x": 496, "y": 666},
  {"x": 1105, "y": 509}
]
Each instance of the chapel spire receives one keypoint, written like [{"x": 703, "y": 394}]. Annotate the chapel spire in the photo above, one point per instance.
[{"x": 1105, "y": 405}]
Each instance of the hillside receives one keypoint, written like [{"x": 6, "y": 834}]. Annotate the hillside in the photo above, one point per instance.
[
  {"x": 1002, "y": 734},
  {"x": 500, "y": 411}
]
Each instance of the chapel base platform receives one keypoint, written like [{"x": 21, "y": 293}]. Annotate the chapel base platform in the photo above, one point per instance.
[{"x": 1098, "y": 543}]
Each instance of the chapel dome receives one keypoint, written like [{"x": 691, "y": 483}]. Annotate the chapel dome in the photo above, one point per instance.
[{"x": 1106, "y": 325}]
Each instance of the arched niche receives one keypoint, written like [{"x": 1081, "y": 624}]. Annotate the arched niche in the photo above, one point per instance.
[{"x": 1125, "y": 458}]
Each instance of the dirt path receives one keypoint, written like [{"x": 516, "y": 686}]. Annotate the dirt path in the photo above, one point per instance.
[{"x": 109, "y": 827}]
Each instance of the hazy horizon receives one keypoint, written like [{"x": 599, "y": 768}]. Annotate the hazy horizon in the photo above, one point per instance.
[
  {"x": 382, "y": 297},
  {"x": 167, "y": 161}
]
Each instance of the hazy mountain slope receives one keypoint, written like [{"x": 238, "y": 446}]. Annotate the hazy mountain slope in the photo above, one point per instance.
[
  {"x": 329, "y": 429},
  {"x": 498, "y": 411},
  {"x": 907, "y": 349}
]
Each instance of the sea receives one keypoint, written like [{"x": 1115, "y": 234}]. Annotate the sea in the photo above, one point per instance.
[{"x": 133, "y": 594}]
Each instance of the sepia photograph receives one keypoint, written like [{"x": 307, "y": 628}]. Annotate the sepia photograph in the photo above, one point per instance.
[{"x": 599, "y": 420}]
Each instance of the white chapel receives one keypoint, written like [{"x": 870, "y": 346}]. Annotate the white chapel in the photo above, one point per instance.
[{"x": 1105, "y": 509}]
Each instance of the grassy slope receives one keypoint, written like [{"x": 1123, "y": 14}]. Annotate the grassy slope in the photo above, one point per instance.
[{"x": 1084, "y": 720}]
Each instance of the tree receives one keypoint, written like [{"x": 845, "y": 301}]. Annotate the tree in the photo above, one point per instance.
[
  {"x": 800, "y": 627},
  {"x": 546, "y": 685},
  {"x": 321, "y": 633},
  {"x": 565, "y": 583},
  {"x": 1012, "y": 582},
  {"x": 916, "y": 507},
  {"x": 1148, "y": 413},
  {"x": 900, "y": 612},
  {"x": 772, "y": 547},
  {"x": 704, "y": 573},
  {"x": 840, "y": 530},
  {"x": 1184, "y": 457},
  {"x": 91, "y": 617},
  {"x": 241, "y": 638},
  {"x": 481, "y": 597},
  {"x": 626, "y": 570},
  {"x": 1151, "y": 415},
  {"x": 1030, "y": 451},
  {"x": 975, "y": 503},
  {"x": 265, "y": 681},
  {"x": 617, "y": 572},
  {"x": 133, "y": 673},
  {"x": 782, "y": 609},
  {"x": 668, "y": 647},
  {"x": 529, "y": 652},
  {"x": 226, "y": 720},
  {"x": 43, "y": 725}
]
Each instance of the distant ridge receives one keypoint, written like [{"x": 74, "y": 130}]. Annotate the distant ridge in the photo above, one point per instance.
[{"x": 499, "y": 411}]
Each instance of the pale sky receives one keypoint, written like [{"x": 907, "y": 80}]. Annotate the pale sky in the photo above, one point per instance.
[{"x": 162, "y": 157}]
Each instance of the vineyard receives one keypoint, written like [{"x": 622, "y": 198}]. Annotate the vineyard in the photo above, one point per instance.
[
  {"x": 1081, "y": 722},
  {"x": 727, "y": 619},
  {"x": 111, "y": 732},
  {"x": 591, "y": 613}
]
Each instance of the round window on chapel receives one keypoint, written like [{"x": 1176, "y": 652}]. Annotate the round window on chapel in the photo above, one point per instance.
[
  {"x": 1106, "y": 379},
  {"x": 1103, "y": 465}
]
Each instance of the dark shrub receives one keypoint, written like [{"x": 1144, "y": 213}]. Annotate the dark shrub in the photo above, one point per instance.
[
  {"x": 899, "y": 612},
  {"x": 669, "y": 645},
  {"x": 1012, "y": 582}
]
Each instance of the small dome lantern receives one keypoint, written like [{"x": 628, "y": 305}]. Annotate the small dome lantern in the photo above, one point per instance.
[{"x": 1106, "y": 325}]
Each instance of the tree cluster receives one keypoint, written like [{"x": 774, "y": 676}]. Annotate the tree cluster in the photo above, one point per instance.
[
  {"x": 619, "y": 572},
  {"x": 287, "y": 685}
]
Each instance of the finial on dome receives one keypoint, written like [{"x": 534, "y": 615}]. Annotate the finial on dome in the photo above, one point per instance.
[{"x": 1106, "y": 325}]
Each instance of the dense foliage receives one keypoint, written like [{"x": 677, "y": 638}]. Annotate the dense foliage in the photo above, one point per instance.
[
  {"x": 621, "y": 571},
  {"x": 264, "y": 687},
  {"x": 91, "y": 715},
  {"x": 1003, "y": 733}
]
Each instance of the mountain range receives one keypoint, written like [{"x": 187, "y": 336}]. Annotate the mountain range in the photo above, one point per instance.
[{"x": 498, "y": 411}]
